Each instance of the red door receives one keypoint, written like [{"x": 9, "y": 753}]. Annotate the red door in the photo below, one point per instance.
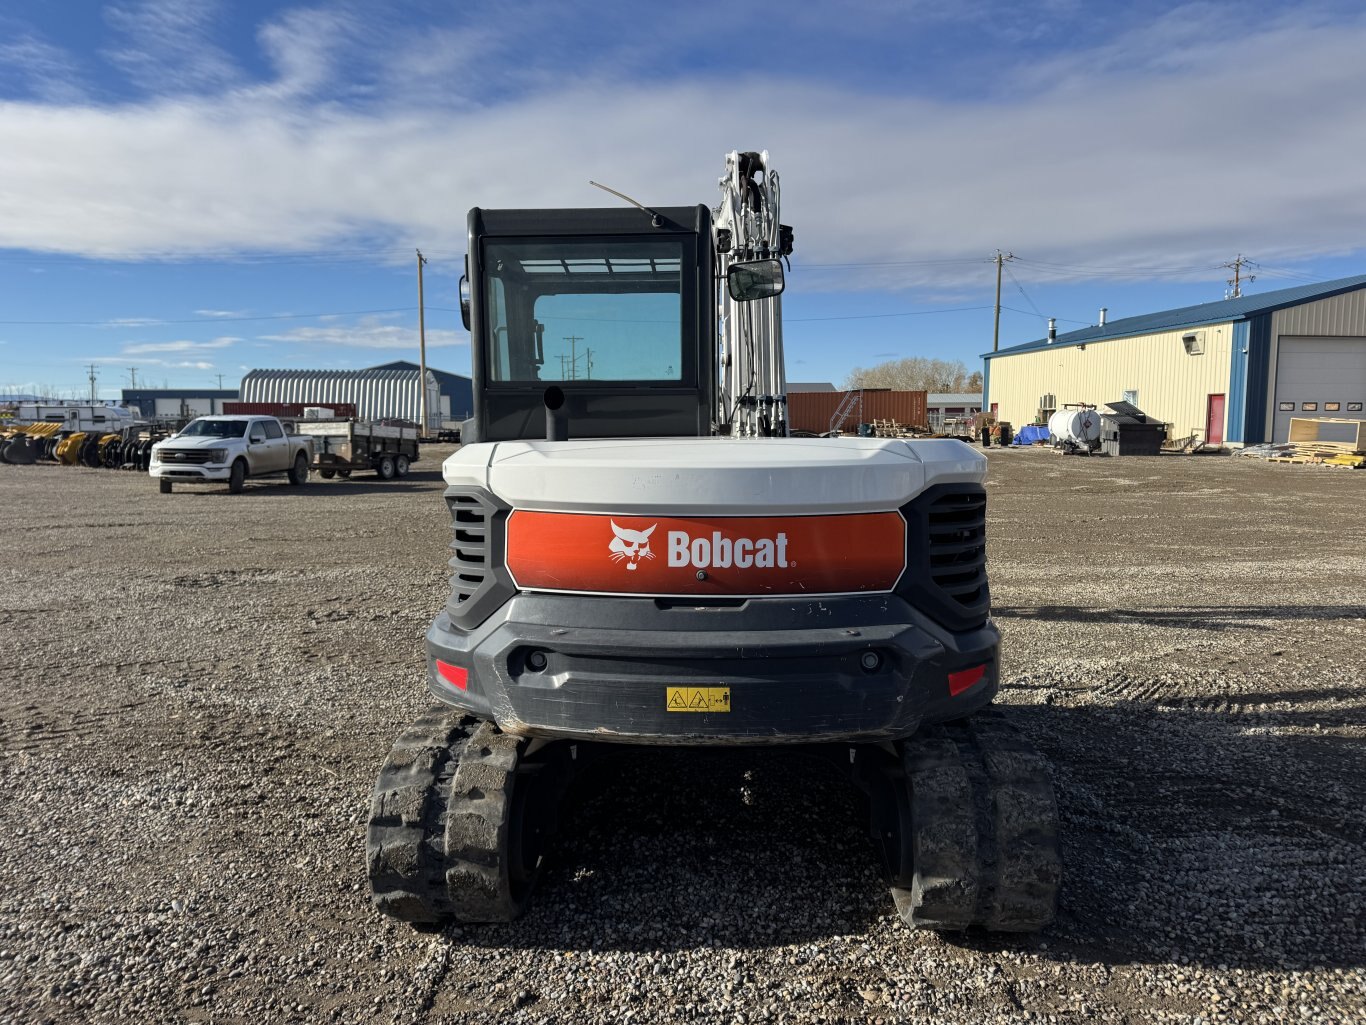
[{"x": 1214, "y": 421}]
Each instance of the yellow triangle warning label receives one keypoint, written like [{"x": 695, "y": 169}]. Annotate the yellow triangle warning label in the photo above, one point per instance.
[{"x": 697, "y": 699}]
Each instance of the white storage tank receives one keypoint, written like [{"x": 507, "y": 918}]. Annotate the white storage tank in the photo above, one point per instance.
[{"x": 1079, "y": 427}]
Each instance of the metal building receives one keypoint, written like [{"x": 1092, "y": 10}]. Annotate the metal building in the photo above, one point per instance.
[
  {"x": 457, "y": 391},
  {"x": 1229, "y": 372},
  {"x": 377, "y": 394}
]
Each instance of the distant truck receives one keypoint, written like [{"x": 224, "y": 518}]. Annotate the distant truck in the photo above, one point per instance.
[
  {"x": 343, "y": 446},
  {"x": 229, "y": 449}
]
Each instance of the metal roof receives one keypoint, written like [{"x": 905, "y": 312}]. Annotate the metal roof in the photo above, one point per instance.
[{"x": 1222, "y": 311}]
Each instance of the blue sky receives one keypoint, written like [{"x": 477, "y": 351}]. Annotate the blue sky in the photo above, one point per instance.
[{"x": 198, "y": 188}]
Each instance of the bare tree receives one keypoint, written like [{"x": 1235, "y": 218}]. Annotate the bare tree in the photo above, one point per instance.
[{"x": 916, "y": 373}]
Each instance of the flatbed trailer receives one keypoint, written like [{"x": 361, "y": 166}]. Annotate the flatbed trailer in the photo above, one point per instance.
[{"x": 342, "y": 447}]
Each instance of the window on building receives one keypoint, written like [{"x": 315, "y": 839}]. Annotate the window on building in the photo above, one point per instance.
[
  {"x": 1194, "y": 342},
  {"x": 1131, "y": 396}
]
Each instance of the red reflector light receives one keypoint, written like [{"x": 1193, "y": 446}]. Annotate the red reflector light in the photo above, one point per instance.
[
  {"x": 959, "y": 681},
  {"x": 453, "y": 675}
]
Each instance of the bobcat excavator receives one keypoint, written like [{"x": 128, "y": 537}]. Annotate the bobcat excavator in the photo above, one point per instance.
[{"x": 642, "y": 556}]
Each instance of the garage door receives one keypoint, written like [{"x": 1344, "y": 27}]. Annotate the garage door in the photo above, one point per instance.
[{"x": 1321, "y": 377}]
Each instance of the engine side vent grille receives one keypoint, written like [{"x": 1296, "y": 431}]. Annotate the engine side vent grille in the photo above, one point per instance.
[
  {"x": 946, "y": 555},
  {"x": 957, "y": 545},
  {"x": 479, "y": 579},
  {"x": 469, "y": 564}
]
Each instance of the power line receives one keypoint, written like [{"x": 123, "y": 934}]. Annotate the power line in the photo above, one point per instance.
[
  {"x": 156, "y": 322},
  {"x": 881, "y": 316},
  {"x": 1027, "y": 299},
  {"x": 1035, "y": 313}
]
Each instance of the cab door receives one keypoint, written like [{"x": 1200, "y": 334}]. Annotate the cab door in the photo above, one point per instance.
[{"x": 277, "y": 445}]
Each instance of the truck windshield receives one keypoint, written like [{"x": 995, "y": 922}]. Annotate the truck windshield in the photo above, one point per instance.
[
  {"x": 608, "y": 309},
  {"x": 215, "y": 429}
]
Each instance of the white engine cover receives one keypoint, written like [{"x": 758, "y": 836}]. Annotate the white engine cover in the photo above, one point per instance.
[{"x": 716, "y": 476}]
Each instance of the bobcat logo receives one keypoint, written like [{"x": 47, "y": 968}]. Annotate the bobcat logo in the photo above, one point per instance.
[{"x": 631, "y": 545}]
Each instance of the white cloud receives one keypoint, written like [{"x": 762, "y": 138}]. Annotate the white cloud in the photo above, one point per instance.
[
  {"x": 220, "y": 313},
  {"x": 167, "y": 45},
  {"x": 1151, "y": 150},
  {"x": 44, "y": 70},
  {"x": 368, "y": 333},
  {"x": 145, "y": 348}
]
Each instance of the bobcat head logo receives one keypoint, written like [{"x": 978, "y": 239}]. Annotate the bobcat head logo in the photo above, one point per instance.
[{"x": 631, "y": 545}]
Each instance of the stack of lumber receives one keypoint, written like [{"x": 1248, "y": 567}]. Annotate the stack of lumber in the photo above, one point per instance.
[{"x": 1305, "y": 443}]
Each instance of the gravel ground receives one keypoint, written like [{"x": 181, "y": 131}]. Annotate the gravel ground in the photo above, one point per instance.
[{"x": 198, "y": 690}]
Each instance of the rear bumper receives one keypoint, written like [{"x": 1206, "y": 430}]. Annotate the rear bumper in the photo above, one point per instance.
[{"x": 857, "y": 669}]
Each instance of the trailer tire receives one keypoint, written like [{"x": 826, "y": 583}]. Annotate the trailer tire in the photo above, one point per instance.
[
  {"x": 401, "y": 466},
  {"x": 298, "y": 473},
  {"x": 327, "y": 474},
  {"x": 165, "y": 486},
  {"x": 344, "y": 474},
  {"x": 237, "y": 476},
  {"x": 384, "y": 466}
]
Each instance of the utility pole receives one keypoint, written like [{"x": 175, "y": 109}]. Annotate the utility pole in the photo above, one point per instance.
[
  {"x": 1236, "y": 282},
  {"x": 1001, "y": 258},
  {"x": 422, "y": 346},
  {"x": 133, "y": 376},
  {"x": 220, "y": 381},
  {"x": 573, "y": 341},
  {"x": 93, "y": 397}
]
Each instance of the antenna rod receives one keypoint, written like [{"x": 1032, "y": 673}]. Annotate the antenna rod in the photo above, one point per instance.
[{"x": 655, "y": 219}]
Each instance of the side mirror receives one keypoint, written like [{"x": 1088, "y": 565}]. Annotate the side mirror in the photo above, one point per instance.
[
  {"x": 465, "y": 300},
  {"x": 756, "y": 279}
]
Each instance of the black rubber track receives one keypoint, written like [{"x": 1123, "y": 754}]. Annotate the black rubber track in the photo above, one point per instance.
[
  {"x": 984, "y": 830},
  {"x": 459, "y": 821},
  {"x": 489, "y": 871},
  {"x": 405, "y": 843}
]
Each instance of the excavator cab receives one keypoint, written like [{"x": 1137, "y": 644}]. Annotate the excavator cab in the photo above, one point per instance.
[{"x": 608, "y": 312}]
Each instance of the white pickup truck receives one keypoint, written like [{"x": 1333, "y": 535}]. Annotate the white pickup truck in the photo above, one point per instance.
[{"x": 218, "y": 449}]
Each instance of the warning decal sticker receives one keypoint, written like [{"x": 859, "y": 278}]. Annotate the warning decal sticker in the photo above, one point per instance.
[{"x": 697, "y": 699}]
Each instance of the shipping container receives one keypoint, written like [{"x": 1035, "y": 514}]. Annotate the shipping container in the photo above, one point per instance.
[{"x": 813, "y": 412}]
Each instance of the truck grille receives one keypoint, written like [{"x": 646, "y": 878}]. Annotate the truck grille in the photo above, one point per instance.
[
  {"x": 946, "y": 555},
  {"x": 185, "y": 457}
]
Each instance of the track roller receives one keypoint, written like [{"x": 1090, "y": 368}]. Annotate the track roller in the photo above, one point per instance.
[
  {"x": 978, "y": 830},
  {"x": 460, "y": 820}
]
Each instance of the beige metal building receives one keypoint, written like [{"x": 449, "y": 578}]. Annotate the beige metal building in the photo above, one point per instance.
[{"x": 1230, "y": 372}]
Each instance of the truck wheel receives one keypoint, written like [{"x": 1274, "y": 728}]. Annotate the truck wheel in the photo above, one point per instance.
[
  {"x": 299, "y": 474},
  {"x": 384, "y": 466},
  {"x": 327, "y": 474},
  {"x": 237, "y": 477},
  {"x": 401, "y": 466},
  {"x": 344, "y": 474},
  {"x": 165, "y": 486}
]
